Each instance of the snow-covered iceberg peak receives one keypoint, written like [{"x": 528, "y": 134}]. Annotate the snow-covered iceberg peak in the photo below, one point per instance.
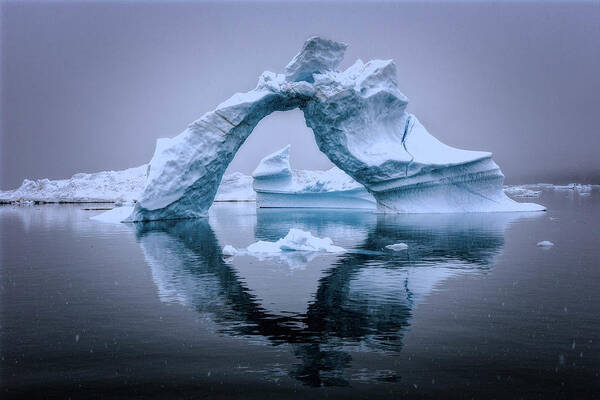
[
  {"x": 360, "y": 122},
  {"x": 275, "y": 165},
  {"x": 318, "y": 55}
]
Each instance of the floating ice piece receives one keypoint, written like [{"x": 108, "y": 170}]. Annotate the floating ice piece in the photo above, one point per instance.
[
  {"x": 520, "y": 191},
  {"x": 545, "y": 243},
  {"x": 277, "y": 185},
  {"x": 360, "y": 122},
  {"x": 397, "y": 246},
  {"x": 570, "y": 186},
  {"x": 295, "y": 240},
  {"x": 583, "y": 188},
  {"x": 22, "y": 202},
  {"x": 229, "y": 251}
]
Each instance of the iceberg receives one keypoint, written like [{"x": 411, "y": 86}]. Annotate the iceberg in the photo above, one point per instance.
[
  {"x": 360, "y": 122},
  {"x": 277, "y": 185},
  {"x": 122, "y": 187},
  {"x": 100, "y": 187}
]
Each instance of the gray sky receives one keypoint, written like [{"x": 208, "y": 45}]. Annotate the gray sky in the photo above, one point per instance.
[{"x": 90, "y": 86}]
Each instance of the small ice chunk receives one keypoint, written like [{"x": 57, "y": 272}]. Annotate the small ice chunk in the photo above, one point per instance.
[
  {"x": 581, "y": 188},
  {"x": 545, "y": 243},
  {"x": 397, "y": 246},
  {"x": 22, "y": 202},
  {"x": 296, "y": 240},
  {"x": 520, "y": 191},
  {"x": 570, "y": 186},
  {"x": 124, "y": 203},
  {"x": 229, "y": 251}
]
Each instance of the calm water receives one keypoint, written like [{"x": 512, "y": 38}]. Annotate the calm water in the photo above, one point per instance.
[{"x": 473, "y": 308}]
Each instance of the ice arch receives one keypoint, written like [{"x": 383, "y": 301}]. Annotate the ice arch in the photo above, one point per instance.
[{"x": 360, "y": 122}]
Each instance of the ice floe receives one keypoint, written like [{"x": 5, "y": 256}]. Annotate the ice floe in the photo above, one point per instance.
[
  {"x": 520, "y": 191},
  {"x": 545, "y": 243},
  {"x": 397, "y": 246},
  {"x": 295, "y": 240}
]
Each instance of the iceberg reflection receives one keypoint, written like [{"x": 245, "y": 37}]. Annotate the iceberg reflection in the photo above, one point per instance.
[{"x": 360, "y": 299}]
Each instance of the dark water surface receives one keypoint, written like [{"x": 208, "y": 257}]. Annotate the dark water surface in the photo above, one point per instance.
[{"x": 473, "y": 308}]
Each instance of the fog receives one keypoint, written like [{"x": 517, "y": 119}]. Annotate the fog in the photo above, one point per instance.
[{"x": 89, "y": 86}]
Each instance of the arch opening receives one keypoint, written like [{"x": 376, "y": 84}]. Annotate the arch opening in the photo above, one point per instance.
[{"x": 273, "y": 133}]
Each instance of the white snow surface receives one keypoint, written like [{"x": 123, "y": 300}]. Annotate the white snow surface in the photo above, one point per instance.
[
  {"x": 277, "y": 185},
  {"x": 99, "y": 187},
  {"x": 360, "y": 122}
]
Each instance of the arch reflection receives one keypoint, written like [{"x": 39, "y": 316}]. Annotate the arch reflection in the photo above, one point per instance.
[{"x": 362, "y": 298}]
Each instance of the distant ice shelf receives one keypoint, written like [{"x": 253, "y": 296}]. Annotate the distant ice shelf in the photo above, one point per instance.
[
  {"x": 99, "y": 187},
  {"x": 535, "y": 189},
  {"x": 278, "y": 185},
  {"x": 120, "y": 187}
]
